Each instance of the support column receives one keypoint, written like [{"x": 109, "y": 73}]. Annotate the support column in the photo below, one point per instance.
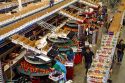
[{"x": 19, "y": 5}]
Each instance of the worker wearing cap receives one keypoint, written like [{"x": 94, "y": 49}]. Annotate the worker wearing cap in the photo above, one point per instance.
[{"x": 56, "y": 65}]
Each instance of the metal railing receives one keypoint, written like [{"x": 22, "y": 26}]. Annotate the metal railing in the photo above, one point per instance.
[{"x": 46, "y": 25}]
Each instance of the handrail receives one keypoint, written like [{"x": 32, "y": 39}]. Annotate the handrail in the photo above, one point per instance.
[{"x": 46, "y": 25}]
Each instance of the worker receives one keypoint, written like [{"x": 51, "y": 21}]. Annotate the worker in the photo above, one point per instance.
[
  {"x": 70, "y": 55},
  {"x": 51, "y": 3},
  {"x": 120, "y": 50},
  {"x": 53, "y": 51},
  {"x": 56, "y": 65},
  {"x": 88, "y": 55}
]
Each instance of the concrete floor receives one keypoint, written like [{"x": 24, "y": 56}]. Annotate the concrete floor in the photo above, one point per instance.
[
  {"x": 79, "y": 75},
  {"x": 118, "y": 74}
]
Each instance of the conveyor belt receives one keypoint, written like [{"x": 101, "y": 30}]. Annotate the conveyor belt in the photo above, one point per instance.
[
  {"x": 77, "y": 8},
  {"x": 18, "y": 39},
  {"x": 15, "y": 27},
  {"x": 26, "y": 11},
  {"x": 26, "y": 43},
  {"x": 72, "y": 16}
]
